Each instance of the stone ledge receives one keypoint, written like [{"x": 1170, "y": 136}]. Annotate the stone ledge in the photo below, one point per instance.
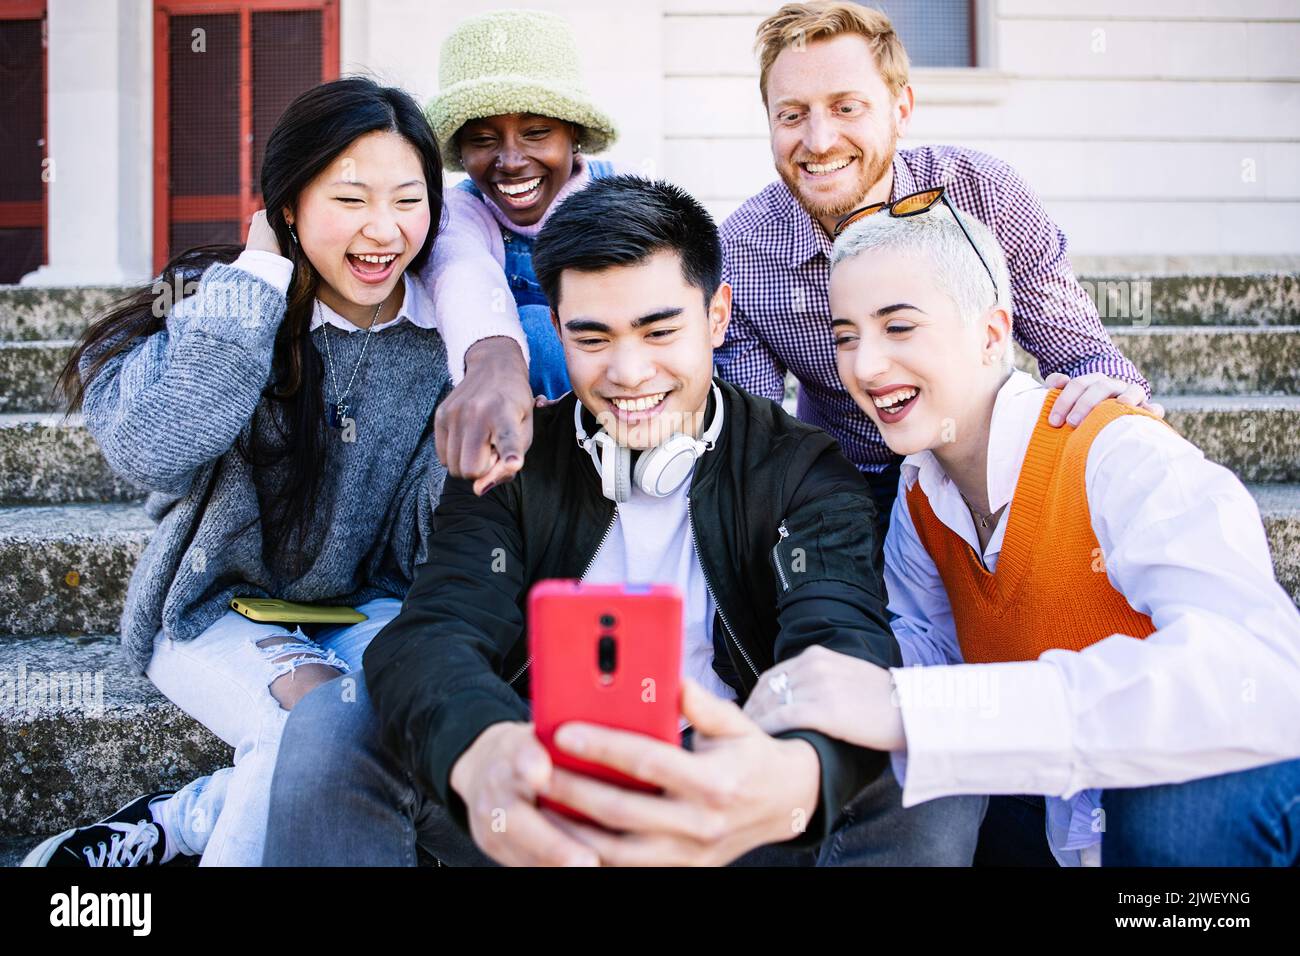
[
  {"x": 1207, "y": 359},
  {"x": 1254, "y": 298},
  {"x": 46, "y": 458},
  {"x": 63, "y": 312},
  {"x": 28, "y": 371},
  {"x": 108, "y": 737},
  {"x": 64, "y": 568}
]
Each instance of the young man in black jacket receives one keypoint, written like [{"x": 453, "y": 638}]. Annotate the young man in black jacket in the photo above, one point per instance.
[{"x": 757, "y": 519}]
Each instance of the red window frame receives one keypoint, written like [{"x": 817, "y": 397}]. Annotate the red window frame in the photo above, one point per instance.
[
  {"x": 168, "y": 209},
  {"x": 33, "y": 214}
]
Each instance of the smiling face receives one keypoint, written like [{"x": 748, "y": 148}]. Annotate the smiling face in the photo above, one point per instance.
[
  {"x": 362, "y": 220},
  {"x": 638, "y": 343},
  {"x": 925, "y": 377},
  {"x": 834, "y": 125},
  {"x": 519, "y": 160}
]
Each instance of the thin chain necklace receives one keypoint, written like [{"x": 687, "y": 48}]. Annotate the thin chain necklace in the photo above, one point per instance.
[
  {"x": 984, "y": 519},
  {"x": 339, "y": 409}
]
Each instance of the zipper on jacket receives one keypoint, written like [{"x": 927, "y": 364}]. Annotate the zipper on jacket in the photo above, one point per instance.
[
  {"x": 608, "y": 528},
  {"x": 776, "y": 556},
  {"x": 726, "y": 625}
]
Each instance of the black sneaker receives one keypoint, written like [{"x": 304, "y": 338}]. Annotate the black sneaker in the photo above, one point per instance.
[{"x": 127, "y": 838}]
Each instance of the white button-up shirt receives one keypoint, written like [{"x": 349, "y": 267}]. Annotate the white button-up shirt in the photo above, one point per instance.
[
  {"x": 443, "y": 278},
  {"x": 278, "y": 271},
  {"x": 1215, "y": 689}
]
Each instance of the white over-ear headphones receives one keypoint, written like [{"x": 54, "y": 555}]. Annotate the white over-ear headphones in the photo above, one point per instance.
[{"x": 659, "y": 471}]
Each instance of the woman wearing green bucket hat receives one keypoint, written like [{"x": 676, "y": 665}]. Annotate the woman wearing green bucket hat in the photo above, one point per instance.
[{"x": 513, "y": 113}]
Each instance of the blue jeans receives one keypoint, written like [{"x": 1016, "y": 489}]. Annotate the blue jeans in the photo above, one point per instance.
[
  {"x": 340, "y": 797},
  {"x": 1248, "y": 818},
  {"x": 547, "y": 373},
  {"x": 222, "y": 679}
]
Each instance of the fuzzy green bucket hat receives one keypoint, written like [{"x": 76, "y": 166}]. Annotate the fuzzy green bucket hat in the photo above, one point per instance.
[{"x": 513, "y": 61}]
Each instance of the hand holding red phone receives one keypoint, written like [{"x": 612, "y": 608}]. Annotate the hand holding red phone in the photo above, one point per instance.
[
  {"x": 739, "y": 789},
  {"x": 499, "y": 777}
]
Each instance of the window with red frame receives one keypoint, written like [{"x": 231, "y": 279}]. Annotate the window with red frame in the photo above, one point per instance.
[
  {"x": 223, "y": 74},
  {"x": 22, "y": 138}
]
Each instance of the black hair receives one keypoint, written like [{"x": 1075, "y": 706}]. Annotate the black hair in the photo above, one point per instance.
[
  {"x": 311, "y": 133},
  {"x": 624, "y": 220}
]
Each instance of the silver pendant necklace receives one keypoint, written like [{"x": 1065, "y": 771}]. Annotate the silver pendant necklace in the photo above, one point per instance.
[{"x": 340, "y": 409}]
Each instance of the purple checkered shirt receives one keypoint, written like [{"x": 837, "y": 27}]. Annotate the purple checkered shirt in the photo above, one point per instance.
[{"x": 777, "y": 259}]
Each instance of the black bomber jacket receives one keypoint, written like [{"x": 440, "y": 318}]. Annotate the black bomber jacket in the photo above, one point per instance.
[{"x": 783, "y": 528}]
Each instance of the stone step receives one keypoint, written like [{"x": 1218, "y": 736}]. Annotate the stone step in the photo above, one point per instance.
[
  {"x": 81, "y": 734},
  {"x": 1255, "y": 299},
  {"x": 64, "y": 568},
  {"x": 34, "y": 312},
  {"x": 1177, "y": 360},
  {"x": 1215, "y": 359},
  {"x": 1279, "y": 506},
  {"x": 1208, "y": 359},
  {"x": 13, "y": 849},
  {"x": 29, "y": 312},
  {"x": 28, "y": 371},
  {"x": 1258, "y": 437},
  {"x": 45, "y": 458}
]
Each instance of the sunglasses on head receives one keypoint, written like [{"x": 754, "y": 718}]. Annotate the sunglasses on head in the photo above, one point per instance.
[{"x": 914, "y": 205}]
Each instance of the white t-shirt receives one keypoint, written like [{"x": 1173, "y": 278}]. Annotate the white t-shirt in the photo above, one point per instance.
[{"x": 650, "y": 543}]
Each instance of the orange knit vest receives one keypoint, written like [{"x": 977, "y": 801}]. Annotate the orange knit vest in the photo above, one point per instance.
[{"x": 1050, "y": 589}]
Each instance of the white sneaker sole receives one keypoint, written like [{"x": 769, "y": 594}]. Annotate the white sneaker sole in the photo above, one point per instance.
[{"x": 41, "y": 855}]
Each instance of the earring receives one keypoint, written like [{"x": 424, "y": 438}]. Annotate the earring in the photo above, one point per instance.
[{"x": 292, "y": 233}]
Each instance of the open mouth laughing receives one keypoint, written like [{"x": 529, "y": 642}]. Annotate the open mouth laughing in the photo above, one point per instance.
[
  {"x": 893, "y": 402},
  {"x": 521, "y": 194},
  {"x": 372, "y": 268},
  {"x": 637, "y": 408},
  {"x": 825, "y": 170}
]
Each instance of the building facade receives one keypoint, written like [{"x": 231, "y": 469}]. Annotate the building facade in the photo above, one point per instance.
[{"x": 1162, "y": 134}]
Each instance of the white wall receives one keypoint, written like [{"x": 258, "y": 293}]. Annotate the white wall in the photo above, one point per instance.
[
  {"x": 621, "y": 46},
  {"x": 1153, "y": 129},
  {"x": 1157, "y": 131}
]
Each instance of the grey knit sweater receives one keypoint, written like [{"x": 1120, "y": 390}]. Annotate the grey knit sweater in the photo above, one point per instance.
[{"x": 167, "y": 413}]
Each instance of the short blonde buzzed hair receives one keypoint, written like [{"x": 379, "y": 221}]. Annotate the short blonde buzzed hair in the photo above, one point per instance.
[
  {"x": 800, "y": 23},
  {"x": 935, "y": 239}
]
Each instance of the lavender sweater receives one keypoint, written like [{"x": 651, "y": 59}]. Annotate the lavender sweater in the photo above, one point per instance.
[{"x": 472, "y": 229}]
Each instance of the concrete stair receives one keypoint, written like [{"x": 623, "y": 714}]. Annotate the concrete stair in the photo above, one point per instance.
[
  {"x": 1222, "y": 353},
  {"x": 1238, "y": 300},
  {"x": 88, "y": 735},
  {"x": 32, "y": 314},
  {"x": 46, "y": 458},
  {"x": 1214, "y": 359},
  {"x": 66, "y": 567}
]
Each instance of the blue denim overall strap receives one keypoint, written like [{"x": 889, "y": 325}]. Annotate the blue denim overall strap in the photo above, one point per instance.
[
  {"x": 519, "y": 249},
  {"x": 546, "y": 373}
]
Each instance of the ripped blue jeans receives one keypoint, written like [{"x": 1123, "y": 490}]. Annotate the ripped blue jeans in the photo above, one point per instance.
[{"x": 222, "y": 679}]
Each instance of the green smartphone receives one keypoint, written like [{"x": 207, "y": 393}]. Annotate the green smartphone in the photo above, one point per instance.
[{"x": 275, "y": 611}]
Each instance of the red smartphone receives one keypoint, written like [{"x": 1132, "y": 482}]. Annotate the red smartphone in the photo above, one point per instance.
[{"x": 608, "y": 654}]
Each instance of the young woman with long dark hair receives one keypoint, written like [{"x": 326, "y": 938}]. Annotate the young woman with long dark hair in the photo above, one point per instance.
[{"x": 282, "y": 417}]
